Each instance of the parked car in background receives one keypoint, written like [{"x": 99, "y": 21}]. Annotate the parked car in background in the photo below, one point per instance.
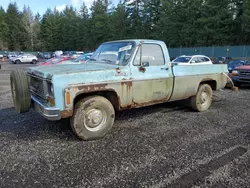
[
  {"x": 73, "y": 54},
  {"x": 55, "y": 61},
  {"x": 25, "y": 58},
  {"x": 45, "y": 55},
  {"x": 58, "y": 53},
  {"x": 241, "y": 74},
  {"x": 82, "y": 58},
  {"x": 79, "y": 60},
  {"x": 235, "y": 63},
  {"x": 47, "y": 61},
  {"x": 3, "y": 54},
  {"x": 192, "y": 60},
  {"x": 11, "y": 55},
  {"x": 222, "y": 60}
]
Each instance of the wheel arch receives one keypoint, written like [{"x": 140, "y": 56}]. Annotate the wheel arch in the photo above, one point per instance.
[
  {"x": 211, "y": 82},
  {"x": 111, "y": 95}
]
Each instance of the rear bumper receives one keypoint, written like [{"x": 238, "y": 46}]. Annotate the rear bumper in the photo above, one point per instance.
[{"x": 49, "y": 113}]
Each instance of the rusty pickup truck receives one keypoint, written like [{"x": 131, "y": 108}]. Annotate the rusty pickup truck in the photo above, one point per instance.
[{"x": 120, "y": 75}]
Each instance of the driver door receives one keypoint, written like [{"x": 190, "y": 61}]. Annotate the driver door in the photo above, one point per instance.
[{"x": 151, "y": 82}]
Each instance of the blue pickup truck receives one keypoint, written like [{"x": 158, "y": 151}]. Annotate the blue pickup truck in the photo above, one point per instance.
[{"x": 119, "y": 75}]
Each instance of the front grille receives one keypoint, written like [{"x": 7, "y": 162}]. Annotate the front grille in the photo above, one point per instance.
[
  {"x": 38, "y": 87},
  {"x": 244, "y": 73}
]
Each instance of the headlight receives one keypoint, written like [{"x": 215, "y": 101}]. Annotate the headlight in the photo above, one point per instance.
[
  {"x": 235, "y": 73},
  {"x": 51, "y": 89}
]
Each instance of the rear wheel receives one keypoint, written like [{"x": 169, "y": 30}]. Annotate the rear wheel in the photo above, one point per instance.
[
  {"x": 20, "y": 91},
  {"x": 33, "y": 61},
  {"x": 93, "y": 117},
  {"x": 203, "y": 99}
]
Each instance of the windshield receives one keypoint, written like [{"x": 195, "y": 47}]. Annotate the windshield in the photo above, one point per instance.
[
  {"x": 116, "y": 53},
  {"x": 182, "y": 59},
  {"x": 239, "y": 62},
  {"x": 247, "y": 63}
]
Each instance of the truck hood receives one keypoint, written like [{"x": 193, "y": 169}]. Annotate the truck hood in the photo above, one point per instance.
[
  {"x": 48, "y": 71},
  {"x": 243, "y": 67}
]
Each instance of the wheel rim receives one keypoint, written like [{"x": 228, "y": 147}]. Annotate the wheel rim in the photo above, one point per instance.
[
  {"x": 95, "y": 119},
  {"x": 205, "y": 98}
]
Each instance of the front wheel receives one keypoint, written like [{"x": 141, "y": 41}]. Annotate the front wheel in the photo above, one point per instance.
[
  {"x": 20, "y": 90},
  {"x": 203, "y": 99},
  {"x": 93, "y": 117}
]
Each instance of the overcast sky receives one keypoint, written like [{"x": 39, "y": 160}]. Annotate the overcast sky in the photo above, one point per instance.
[{"x": 42, "y": 5}]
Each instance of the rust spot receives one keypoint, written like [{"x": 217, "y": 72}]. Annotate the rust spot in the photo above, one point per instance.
[
  {"x": 136, "y": 105},
  {"x": 118, "y": 70},
  {"x": 142, "y": 69},
  {"x": 66, "y": 113},
  {"x": 90, "y": 88}
]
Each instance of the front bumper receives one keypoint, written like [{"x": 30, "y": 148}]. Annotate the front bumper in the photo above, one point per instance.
[
  {"x": 50, "y": 113},
  {"x": 241, "y": 79}
]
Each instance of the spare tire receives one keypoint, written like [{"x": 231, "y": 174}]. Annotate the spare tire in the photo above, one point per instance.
[{"x": 20, "y": 90}]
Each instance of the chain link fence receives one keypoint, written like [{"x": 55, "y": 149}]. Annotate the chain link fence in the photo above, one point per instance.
[{"x": 213, "y": 51}]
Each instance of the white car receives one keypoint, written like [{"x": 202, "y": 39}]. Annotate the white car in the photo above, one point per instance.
[
  {"x": 25, "y": 58},
  {"x": 192, "y": 60}
]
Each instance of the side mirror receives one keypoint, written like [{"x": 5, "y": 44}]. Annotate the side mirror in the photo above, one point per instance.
[
  {"x": 145, "y": 64},
  {"x": 192, "y": 61}
]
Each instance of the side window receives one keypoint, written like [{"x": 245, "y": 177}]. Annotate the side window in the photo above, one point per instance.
[
  {"x": 137, "y": 58},
  {"x": 206, "y": 59},
  {"x": 151, "y": 53},
  {"x": 196, "y": 60}
]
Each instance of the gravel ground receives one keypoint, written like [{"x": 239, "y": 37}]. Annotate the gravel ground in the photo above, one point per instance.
[{"x": 165, "y": 145}]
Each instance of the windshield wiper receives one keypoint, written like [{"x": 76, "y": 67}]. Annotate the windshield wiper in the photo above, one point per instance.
[{"x": 107, "y": 60}]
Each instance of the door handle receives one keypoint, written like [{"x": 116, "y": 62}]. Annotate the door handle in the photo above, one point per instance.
[{"x": 164, "y": 68}]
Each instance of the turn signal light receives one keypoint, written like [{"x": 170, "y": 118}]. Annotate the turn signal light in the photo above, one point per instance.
[
  {"x": 68, "y": 97},
  {"x": 234, "y": 73},
  {"x": 51, "y": 101}
]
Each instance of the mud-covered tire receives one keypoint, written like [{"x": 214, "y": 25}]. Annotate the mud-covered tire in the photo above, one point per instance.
[
  {"x": 203, "y": 99},
  {"x": 93, "y": 118},
  {"x": 20, "y": 91}
]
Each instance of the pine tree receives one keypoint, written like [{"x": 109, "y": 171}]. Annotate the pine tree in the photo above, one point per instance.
[
  {"x": 15, "y": 29},
  {"x": 119, "y": 23},
  {"x": 3, "y": 30},
  {"x": 99, "y": 25}
]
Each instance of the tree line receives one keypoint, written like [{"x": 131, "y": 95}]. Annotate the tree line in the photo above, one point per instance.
[{"x": 185, "y": 23}]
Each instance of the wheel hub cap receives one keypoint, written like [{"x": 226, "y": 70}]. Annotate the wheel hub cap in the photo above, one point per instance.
[
  {"x": 95, "y": 118},
  {"x": 204, "y": 97}
]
